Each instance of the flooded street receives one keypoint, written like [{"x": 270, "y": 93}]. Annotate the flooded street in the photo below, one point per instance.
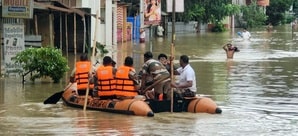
[{"x": 257, "y": 92}]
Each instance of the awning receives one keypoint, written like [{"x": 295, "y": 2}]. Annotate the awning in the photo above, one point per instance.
[
  {"x": 50, "y": 6},
  {"x": 63, "y": 8}
]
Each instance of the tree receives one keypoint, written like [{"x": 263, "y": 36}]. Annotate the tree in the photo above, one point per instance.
[
  {"x": 209, "y": 11},
  {"x": 42, "y": 62},
  {"x": 295, "y": 7},
  {"x": 206, "y": 11},
  {"x": 276, "y": 10},
  {"x": 195, "y": 12},
  {"x": 253, "y": 15}
]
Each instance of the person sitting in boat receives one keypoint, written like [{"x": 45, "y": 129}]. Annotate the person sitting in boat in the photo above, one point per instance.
[
  {"x": 163, "y": 59},
  {"x": 186, "y": 85},
  {"x": 160, "y": 75},
  {"x": 81, "y": 75},
  {"x": 104, "y": 80},
  {"x": 127, "y": 83},
  {"x": 230, "y": 50}
]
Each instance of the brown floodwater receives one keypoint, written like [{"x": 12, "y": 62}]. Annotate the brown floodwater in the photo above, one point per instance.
[{"x": 257, "y": 91}]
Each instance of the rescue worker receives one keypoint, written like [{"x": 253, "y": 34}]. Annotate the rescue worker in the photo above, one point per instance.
[
  {"x": 127, "y": 83},
  {"x": 104, "y": 80},
  {"x": 161, "y": 77},
  {"x": 81, "y": 74}
]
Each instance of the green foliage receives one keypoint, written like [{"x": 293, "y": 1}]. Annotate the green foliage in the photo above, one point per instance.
[
  {"x": 295, "y": 7},
  {"x": 219, "y": 27},
  {"x": 195, "y": 12},
  {"x": 103, "y": 51},
  {"x": 216, "y": 11},
  {"x": 232, "y": 9},
  {"x": 289, "y": 19},
  {"x": 43, "y": 62},
  {"x": 253, "y": 15},
  {"x": 100, "y": 47},
  {"x": 276, "y": 11}
]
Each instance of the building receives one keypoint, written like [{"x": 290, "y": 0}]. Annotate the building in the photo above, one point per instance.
[{"x": 65, "y": 24}]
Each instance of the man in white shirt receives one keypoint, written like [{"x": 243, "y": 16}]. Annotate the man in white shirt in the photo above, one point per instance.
[
  {"x": 186, "y": 86},
  {"x": 245, "y": 34},
  {"x": 160, "y": 30}
]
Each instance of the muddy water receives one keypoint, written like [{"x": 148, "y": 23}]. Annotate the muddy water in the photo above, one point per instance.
[{"x": 257, "y": 92}]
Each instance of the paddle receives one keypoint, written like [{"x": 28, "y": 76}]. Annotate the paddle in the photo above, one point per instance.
[
  {"x": 173, "y": 51},
  {"x": 154, "y": 84},
  {"x": 55, "y": 97},
  {"x": 92, "y": 58}
]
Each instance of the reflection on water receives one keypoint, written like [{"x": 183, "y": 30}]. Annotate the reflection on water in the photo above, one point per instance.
[{"x": 257, "y": 91}]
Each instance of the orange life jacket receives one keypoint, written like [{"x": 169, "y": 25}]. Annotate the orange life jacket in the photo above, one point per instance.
[
  {"x": 124, "y": 85},
  {"x": 105, "y": 80},
  {"x": 82, "y": 70}
]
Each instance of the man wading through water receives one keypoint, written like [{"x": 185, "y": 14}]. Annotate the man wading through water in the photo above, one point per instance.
[{"x": 230, "y": 50}]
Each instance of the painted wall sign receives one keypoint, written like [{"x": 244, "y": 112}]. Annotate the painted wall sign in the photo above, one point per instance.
[
  {"x": 17, "y": 8},
  {"x": 13, "y": 38}
]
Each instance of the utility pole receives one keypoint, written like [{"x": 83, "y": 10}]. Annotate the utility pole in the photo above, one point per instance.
[{"x": 173, "y": 50}]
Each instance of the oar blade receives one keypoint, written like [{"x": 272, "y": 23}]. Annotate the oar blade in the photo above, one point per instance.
[{"x": 54, "y": 98}]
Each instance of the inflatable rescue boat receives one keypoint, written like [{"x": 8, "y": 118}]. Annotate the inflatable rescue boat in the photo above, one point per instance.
[
  {"x": 141, "y": 107},
  {"x": 128, "y": 106}
]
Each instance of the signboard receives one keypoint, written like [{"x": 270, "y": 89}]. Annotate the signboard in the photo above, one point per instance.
[
  {"x": 152, "y": 12},
  {"x": 17, "y": 8},
  {"x": 179, "y": 5},
  {"x": 13, "y": 39}
]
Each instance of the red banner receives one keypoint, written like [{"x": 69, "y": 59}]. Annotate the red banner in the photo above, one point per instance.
[{"x": 263, "y": 3}]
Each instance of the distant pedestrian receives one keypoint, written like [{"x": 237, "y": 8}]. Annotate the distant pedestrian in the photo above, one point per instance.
[
  {"x": 160, "y": 30},
  {"x": 142, "y": 35},
  {"x": 245, "y": 34},
  {"x": 269, "y": 27}
]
